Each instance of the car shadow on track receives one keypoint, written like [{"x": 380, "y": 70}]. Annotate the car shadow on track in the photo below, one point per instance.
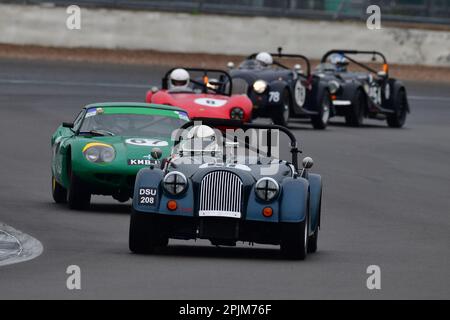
[
  {"x": 364, "y": 125},
  {"x": 114, "y": 208},
  {"x": 211, "y": 252},
  {"x": 103, "y": 208},
  {"x": 220, "y": 252}
]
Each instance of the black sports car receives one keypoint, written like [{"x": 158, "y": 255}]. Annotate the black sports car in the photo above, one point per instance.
[
  {"x": 371, "y": 93},
  {"x": 280, "y": 92}
]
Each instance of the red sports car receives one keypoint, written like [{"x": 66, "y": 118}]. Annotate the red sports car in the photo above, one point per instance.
[{"x": 203, "y": 93}]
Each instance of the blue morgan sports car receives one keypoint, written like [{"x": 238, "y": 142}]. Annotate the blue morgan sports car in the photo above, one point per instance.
[{"x": 219, "y": 186}]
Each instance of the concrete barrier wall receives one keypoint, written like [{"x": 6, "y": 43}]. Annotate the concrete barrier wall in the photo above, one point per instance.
[{"x": 179, "y": 32}]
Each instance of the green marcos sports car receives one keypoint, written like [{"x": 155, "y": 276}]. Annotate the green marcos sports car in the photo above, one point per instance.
[{"x": 104, "y": 148}]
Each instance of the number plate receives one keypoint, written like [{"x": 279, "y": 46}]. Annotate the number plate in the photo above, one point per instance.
[{"x": 148, "y": 196}]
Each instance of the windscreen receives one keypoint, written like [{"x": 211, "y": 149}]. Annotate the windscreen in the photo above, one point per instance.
[{"x": 132, "y": 121}]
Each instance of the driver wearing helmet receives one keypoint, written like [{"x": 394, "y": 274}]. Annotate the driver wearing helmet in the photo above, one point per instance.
[
  {"x": 265, "y": 59},
  {"x": 340, "y": 62},
  {"x": 200, "y": 139},
  {"x": 179, "y": 80}
]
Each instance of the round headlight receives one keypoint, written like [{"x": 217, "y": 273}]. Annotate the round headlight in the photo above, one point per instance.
[
  {"x": 237, "y": 114},
  {"x": 99, "y": 153},
  {"x": 92, "y": 154},
  {"x": 175, "y": 183},
  {"x": 107, "y": 154},
  {"x": 260, "y": 86},
  {"x": 267, "y": 189},
  {"x": 333, "y": 86}
]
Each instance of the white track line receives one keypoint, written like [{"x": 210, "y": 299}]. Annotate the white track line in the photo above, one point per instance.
[
  {"x": 29, "y": 247},
  {"x": 16, "y": 240}
]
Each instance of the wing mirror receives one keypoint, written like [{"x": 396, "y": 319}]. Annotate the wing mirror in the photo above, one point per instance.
[
  {"x": 68, "y": 125},
  {"x": 230, "y": 65},
  {"x": 308, "y": 163},
  {"x": 156, "y": 153}
]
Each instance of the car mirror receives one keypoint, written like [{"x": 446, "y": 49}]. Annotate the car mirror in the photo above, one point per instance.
[
  {"x": 308, "y": 162},
  {"x": 156, "y": 153},
  {"x": 68, "y": 125}
]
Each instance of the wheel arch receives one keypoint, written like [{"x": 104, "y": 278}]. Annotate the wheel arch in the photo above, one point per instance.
[
  {"x": 397, "y": 87},
  {"x": 295, "y": 197},
  {"x": 316, "y": 188}
]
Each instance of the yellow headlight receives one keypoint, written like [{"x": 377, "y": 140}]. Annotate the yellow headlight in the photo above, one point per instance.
[{"x": 99, "y": 152}]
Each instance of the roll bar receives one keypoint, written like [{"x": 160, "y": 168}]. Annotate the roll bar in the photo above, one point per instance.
[
  {"x": 345, "y": 52},
  {"x": 280, "y": 54},
  {"x": 165, "y": 79},
  {"x": 223, "y": 123}
]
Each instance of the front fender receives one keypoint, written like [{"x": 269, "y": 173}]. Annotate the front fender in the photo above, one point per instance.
[
  {"x": 264, "y": 99},
  {"x": 152, "y": 178},
  {"x": 278, "y": 86},
  {"x": 348, "y": 90},
  {"x": 294, "y": 200},
  {"x": 315, "y": 199},
  {"x": 396, "y": 86},
  {"x": 149, "y": 96}
]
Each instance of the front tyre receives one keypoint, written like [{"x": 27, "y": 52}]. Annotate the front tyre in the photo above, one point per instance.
[
  {"x": 79, "y": 197},
  {"x": 145, "y": 235},
  {"x": 355, "y": 115},
  {"x": 320, "y": 121},
  {"x": 59, "y": 193},
  {"x": 398, "y": 118},
  {"x": 312, "y": 241},
  {"x": 294, "y": 242},
  {"x": 281, "y": 117}
]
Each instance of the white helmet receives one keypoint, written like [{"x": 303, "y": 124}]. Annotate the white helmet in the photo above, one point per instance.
[
  {"x": 265, "y": 58},
  {"x": 179, "y": 78},
  {"x": 199, "y": 139},
  {"x": 201, "y": 132}
]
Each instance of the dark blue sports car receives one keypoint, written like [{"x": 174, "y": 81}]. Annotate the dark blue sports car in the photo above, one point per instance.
[{"x": 219, "y": 186}]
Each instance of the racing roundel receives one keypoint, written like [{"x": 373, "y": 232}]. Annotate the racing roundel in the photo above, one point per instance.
[
  {"x": 210, "y": 102},
  {"x": 144, "y": 142},
  {"x": 300, "y": 93}
]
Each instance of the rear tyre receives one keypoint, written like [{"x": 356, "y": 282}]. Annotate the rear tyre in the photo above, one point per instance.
[
  {"x": 355, "y": 115},
  {"x": 398, "y": 118},
  {"x": 79, "y": 197},
  {"x": 320, "y": 121},
  {"x": 145, "y": 235},
  {"x": 312, "y": 241},
  {"x": 281, "y": 118},
  {"x": 294, "y": 242},
  {"x": 59, "y": 193}
]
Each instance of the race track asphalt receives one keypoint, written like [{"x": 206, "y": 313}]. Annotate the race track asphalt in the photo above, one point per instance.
[{"x": 386, "y": 203}]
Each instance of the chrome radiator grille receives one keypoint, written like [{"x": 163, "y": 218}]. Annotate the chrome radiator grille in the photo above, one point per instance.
[{"x": 220, "y": 195}]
